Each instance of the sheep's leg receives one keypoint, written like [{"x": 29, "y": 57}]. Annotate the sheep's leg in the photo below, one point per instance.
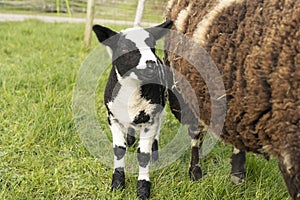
[
  {"x": 184, "y": 114},
  {"x": 289, "y": 165},
  {"x": 119, "y": 147},
  {"x": 130, "y": 137},
  {"x": 144, "y": 154},
  {"x": 195, "y": 172},
  {"x": 238, "y": 159}
]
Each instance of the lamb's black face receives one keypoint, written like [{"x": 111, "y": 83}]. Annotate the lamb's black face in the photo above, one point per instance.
[
  {"x": 134, "y": 55},
  {"x": 133, "y": 50}
]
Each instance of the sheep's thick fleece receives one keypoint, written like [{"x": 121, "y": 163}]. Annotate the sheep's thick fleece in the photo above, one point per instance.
[{"x": 255, "y": 45}]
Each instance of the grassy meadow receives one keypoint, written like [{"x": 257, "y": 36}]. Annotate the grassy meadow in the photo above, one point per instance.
[{"x": 41, "y": 154}]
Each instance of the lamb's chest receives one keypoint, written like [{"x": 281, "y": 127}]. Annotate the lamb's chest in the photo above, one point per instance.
[{"x": 128, "y": 104}]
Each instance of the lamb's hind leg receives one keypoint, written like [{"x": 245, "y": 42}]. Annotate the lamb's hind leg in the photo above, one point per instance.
[
  {"x": 195, "y": 170},
  {"x": 130, "y": 137},
  {"x": 155, "y": 149},
  {"x": 155, "y": 142},
  {"x": 237, "y": 161}
]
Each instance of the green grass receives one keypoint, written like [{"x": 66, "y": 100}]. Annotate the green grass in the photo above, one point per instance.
[{"x": 41, "y": 154}]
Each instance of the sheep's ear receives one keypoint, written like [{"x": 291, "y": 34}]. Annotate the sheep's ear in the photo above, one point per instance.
[
  {"x": 103, "y": 34},
  {"x": 160, "y": 30}
]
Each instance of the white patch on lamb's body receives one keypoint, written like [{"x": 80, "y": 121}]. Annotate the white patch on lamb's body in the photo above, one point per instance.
[
  {"x": 200, "y": 34},
  {"x": 129, "y": 100},
  {"x": 182, "y": 17},
  {"x": 139, "y": 105},
  {"x": 138, "y": 36}
]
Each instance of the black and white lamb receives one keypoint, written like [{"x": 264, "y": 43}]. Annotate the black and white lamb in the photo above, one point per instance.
[
  {"x": 255, "y": 45},
  {"x": 135, "y": 97}
]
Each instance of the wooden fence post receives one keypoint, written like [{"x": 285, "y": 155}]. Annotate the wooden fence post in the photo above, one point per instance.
[
  {"x": 139, "y": 13},
  {"x": 89, "y": 23}
]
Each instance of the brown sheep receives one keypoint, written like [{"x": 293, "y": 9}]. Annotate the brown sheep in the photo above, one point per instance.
[{"x": 255, "y": 44}]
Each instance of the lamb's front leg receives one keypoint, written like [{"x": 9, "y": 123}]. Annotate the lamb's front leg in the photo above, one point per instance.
[
  {"x": 144, "y": 154},
  {"x": 119, "y": 147}
]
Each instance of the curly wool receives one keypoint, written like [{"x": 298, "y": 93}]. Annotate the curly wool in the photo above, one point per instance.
[
  {"x": 256, "y": 47},
  {"x": 255, "y": 44}
]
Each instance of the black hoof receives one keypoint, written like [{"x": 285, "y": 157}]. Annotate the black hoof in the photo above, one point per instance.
[
  {"x": 118, "y": 179},
  {"x": 237, "y": 178},
  {"x": 195, "y": 173},
  {"x": 143, "y": 189}
]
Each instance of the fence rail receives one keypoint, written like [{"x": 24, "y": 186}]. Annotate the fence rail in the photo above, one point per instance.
[{"x": 105, "y": 9}]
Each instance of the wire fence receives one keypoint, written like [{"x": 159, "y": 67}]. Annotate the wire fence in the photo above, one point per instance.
[{"x": 104, "y": 9}]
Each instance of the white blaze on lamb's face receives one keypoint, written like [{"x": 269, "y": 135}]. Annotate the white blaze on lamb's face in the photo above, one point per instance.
[
  {"x": 134, "y": 97},
  {"x": 139, "y": 37},
  {"x": 133, "y": 55}
]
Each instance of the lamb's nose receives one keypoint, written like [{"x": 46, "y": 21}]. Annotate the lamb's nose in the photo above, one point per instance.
[
  {"x": 149, "y": 72},
  {"x": 151, "y": 64},
  {"x": 151, "y": 67}
]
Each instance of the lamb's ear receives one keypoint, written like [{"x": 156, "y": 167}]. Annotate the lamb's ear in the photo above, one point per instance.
[
  {"x": 160, "y": 30},
  {"x": 103, "y": 34}
]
